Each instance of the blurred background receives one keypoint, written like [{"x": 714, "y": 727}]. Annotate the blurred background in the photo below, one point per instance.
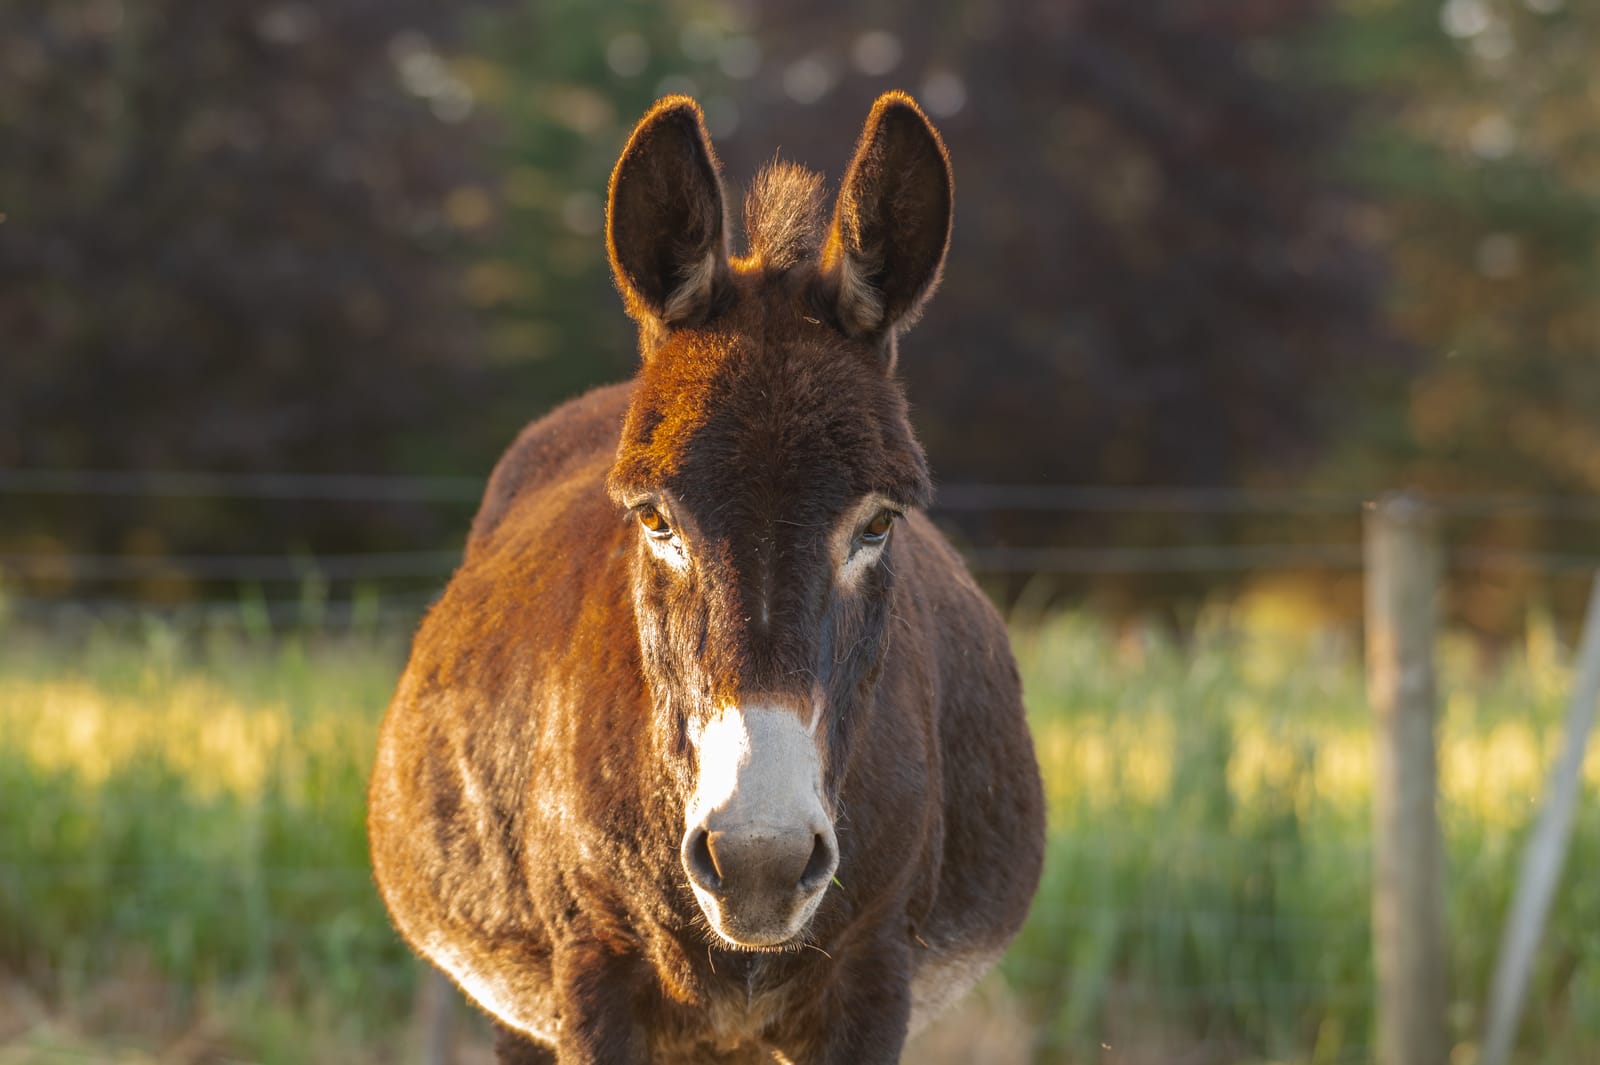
[{"x": 278, "y": 281}]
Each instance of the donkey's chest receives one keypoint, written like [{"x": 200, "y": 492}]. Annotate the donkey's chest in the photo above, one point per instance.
[{"x": 737, "y": 1022}]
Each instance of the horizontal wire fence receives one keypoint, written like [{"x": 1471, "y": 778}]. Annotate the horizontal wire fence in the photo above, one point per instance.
[
  {"x": 405, "y": 488},
  {"x": 431, "y": 565}
]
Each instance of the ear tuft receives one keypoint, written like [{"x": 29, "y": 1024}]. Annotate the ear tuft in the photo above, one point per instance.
[
  {"x": 666, "y": 228},
  {"x": 891, "y": 225}
]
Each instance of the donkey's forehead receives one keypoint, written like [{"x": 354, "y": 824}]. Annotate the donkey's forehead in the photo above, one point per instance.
[{"x": 768, "y": 398}]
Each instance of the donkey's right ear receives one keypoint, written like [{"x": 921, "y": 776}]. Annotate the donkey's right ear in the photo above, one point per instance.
[{"x": 666, "y": 229}]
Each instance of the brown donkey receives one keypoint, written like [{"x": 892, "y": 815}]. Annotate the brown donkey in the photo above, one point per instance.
[{"x": 712, "y": 751}]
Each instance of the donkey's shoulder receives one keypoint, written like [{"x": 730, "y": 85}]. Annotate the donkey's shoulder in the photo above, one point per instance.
[{"x": 545, "y": 451}]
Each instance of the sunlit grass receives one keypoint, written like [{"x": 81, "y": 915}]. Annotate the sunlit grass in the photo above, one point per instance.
[
  {"x": 192, "y": 806},
  {"x": 219, "y": 737},
  {"x": 1208, "y": 883},
  {"x": 193, "y": 809}
]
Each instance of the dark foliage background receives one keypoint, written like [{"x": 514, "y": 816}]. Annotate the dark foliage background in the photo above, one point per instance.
[
  {"x": 233, "y": 243},
  {"x": 1274, "y": 244}
]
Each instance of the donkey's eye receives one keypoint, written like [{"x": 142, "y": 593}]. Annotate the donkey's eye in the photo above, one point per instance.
[
  {"x": 653, "y": 522},
  {"x": 877, "y": 530}
]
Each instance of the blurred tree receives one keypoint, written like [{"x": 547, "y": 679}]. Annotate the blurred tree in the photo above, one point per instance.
[
  {"x": 228, "y": 245},
  {"x": 1481, "y": 151},
  {"x": 566, "y": 80}
]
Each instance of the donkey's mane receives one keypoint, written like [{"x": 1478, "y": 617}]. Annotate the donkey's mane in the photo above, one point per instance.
[{"x": 783, "y": 215}]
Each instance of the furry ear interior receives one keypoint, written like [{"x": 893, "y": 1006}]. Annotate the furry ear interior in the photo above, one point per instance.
[
  {"x": 666, "y": 229},
  {"x": 891, "y": 224}
]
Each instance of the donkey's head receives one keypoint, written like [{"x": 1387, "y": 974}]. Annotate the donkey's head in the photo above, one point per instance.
[{"x": 764, "y": 462}]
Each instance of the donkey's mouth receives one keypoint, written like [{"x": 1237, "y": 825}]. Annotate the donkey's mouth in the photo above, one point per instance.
[
  {"x": 793, "y": 945},
  {"x": 788, "y": 944},
  {"x": 752, "y": 927}
]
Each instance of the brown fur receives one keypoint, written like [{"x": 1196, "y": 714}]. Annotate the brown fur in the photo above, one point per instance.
[{"x": 533, "y": 770}]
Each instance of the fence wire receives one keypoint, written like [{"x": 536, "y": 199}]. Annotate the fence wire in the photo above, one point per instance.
[
  {"x": 955, "y": 496},
  {"x": 404, "y": 570}
]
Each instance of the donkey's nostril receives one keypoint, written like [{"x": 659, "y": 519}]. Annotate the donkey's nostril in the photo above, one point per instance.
[
  {"x": 821, "y": 866},
  {"x": 699, "y": 862}
]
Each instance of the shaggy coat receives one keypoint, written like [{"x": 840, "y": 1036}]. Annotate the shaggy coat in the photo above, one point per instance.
[{"x": 729, "y": 543}]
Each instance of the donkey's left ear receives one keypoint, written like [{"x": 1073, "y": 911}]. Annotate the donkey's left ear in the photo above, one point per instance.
[
  {"x": 891, "y": 225},
  {"x": 666, "y": 228}
]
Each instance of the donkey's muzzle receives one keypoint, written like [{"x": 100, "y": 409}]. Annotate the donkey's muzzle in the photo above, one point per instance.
[
  {"x": 761, "y": 876},
  {"x": 759, "y": 848}
]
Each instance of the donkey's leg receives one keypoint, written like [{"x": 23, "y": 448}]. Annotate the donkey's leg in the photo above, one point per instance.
[{"x": 514, "y": 1048}]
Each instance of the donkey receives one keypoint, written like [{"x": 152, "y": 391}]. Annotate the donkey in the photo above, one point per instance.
[{"x": 712, "y": 751}]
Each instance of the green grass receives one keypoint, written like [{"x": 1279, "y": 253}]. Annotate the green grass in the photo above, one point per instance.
[
  {"x": 192, "y": 813},
  {"x": 1209, "y": 874},
  {"x": 181, "y": 845}
]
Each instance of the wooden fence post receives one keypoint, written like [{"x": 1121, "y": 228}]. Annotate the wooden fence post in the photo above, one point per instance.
[
  {"x": 1546, "y": 851},
  {"x": 435, "y": 1018},
  {"x": 1402, "y": 582}
]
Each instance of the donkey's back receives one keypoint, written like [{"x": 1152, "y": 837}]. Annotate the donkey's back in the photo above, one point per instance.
[{"x": 559, "y": 447}]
